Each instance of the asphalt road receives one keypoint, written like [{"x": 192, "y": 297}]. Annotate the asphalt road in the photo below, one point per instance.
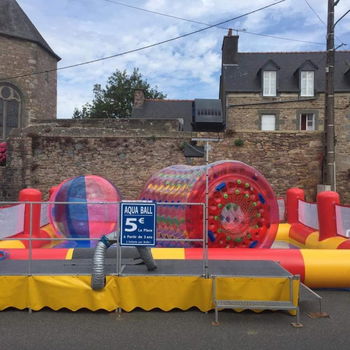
[{"x": 192, "y": 329}]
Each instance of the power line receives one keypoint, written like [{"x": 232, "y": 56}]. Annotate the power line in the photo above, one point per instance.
[
  {"x": 143, "y": 47},
  {"x": 158, "y": 13},
  {"x": 322, "y": 21},
  {"x": 206, "y": 24},
  {"x": 341, "y": 17},
  {"x": 316, "y": 14}
]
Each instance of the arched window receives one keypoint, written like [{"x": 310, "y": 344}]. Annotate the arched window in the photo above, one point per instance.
[{"x": 10, "y": 110}]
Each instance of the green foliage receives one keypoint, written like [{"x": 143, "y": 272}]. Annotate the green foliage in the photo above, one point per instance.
[
  {"x": 239, "y": 142},
  {"x": 182, "y": 145},
  {"x": 115, "y": 100}
]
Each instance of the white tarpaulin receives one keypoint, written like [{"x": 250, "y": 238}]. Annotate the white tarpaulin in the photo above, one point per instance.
[
  {"x": 281, "y": 209},
  {"x": 11, "y": 220},
  {"x": 308, "y": 214},
  {"x": 343, "y": 220},
  {"x": 44, "y": 214}
]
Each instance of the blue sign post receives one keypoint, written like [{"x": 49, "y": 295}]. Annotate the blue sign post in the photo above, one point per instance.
[{"x": 138, "y": 224}]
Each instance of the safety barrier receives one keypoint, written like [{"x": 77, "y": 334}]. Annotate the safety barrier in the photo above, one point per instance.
[
  {"x": 29, "y": 233},
  {"x": 304, "y": 262}
]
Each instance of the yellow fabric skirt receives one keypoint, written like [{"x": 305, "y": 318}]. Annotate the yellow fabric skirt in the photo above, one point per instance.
[{"x": 129, "y": 292}]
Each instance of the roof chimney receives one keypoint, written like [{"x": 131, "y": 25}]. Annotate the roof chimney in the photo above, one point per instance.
[
  {"x": 230, "y": 48},
  {"x": 139, "y": 98}
]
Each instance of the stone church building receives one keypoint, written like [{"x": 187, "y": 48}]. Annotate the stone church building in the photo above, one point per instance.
[{"x": 24, "y": 96}]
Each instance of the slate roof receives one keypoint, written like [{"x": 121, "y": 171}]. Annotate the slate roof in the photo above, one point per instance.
[
  {"x": 245, "y": 76},
  {"x": 166, "y": 109},
  {"x": 15, "y": 23}
]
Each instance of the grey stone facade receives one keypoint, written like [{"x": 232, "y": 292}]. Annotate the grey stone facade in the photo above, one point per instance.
[
  {"x": 27, "y": 69},
  {"x": 38, "y": 92}
]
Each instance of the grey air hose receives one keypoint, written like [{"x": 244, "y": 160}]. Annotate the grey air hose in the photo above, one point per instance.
[{"x": 98, "y": 279}]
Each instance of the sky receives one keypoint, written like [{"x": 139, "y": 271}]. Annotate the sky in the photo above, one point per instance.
[{"x": 187, "y": 68}]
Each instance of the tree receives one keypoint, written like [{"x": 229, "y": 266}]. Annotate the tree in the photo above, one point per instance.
[{"x": 115, "y": 100}]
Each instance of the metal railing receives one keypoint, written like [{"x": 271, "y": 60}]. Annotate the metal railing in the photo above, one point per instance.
[{"x": 119, "y": 267}]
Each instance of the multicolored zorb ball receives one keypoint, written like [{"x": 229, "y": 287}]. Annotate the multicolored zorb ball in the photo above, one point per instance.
[
  {"x": 242, "y": 207},
  {"x": 84, "y": 210}
]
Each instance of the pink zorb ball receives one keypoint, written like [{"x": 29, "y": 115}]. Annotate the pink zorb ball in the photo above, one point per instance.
[{"x": 86, "y": 207}]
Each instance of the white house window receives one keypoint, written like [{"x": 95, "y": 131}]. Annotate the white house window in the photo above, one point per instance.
[
  {"x": 10, "y": 109},
  {"x": 307, "y": 121},
  {"x": 307, "y": 83},
  {"x": 269, "y": 83},
  {"x": 268, "y": 122}
]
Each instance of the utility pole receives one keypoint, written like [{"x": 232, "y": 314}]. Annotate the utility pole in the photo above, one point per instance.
[
  {"x": 329, "y": 177},
  {"x": 329, "y": 171}
]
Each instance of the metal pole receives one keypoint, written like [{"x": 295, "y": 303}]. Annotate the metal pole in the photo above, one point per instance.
[
  {"x": 206, "y": 209},
  {"x": 30, "y": 239},
  {"x": 329, "y": 164},
  {"x": 204, "y": 263},
  {"x": 119, "y": 250}
]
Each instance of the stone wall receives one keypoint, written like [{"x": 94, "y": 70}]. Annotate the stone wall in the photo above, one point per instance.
[
  {"x": 13, "y": 174},
  {"x": 278, "y": 156},
  {"x": 44, "y": 155},
  {"x": 39, "y": 92},
  {"x": 127, "y": 152},
  {"x": 2, "y": 183}
]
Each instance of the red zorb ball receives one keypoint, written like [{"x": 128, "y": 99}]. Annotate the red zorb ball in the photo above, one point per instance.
[{"x": 242, "y": 207}]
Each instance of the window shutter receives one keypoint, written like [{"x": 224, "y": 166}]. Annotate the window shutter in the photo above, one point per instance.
[{"x": 268, "y": 122}]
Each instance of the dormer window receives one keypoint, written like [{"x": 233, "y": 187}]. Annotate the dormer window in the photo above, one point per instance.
[
  {"x": 306, "y": 76},
  {"x": 268, "y": 74},
  {"x": 307, "y": 79},
  {"x": 269, "y": 83}
]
